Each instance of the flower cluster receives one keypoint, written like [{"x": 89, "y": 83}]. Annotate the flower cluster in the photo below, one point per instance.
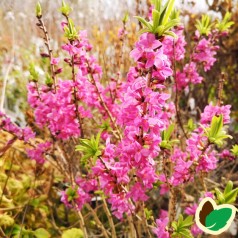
[
  {"x": 24, "y": 134},
  {"x": 38, "y": 153},
  {"x": 161, "y": 230},
  {"x": 175, "y": 48},
  {"x": 211, "y": 111},
  {"x": 143, "y": 115},
  {"x": 140, "y": 148},
  {"x": 198, "y": 155},
  {"x": 203, "y": 54}
]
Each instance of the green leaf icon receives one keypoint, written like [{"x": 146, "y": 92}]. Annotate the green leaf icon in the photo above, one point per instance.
[
  {"x": 212, "y": 218},
  {"x": 218, "y": 219}
]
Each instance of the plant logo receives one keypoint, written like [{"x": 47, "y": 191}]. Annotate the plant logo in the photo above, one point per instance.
[{"x": 212, "y": 218}]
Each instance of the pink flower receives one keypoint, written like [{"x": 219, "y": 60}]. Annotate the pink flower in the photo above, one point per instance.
[
  {"x": 196, "y": 230},
  {"x": 161, "y": 229},
  {"x": 205, "y": 52},
  {"x": 210, "y": 111},
  {"x": 191, "y": 210},
  {"x": 175, "y": 48},
  {"x": 79, "y": 199},
  {"x": 55, "y": 61},
  {"x": 38, "y": 153},
  {"x": 209, "y": 194},
  {"x": 137, "y": 193},
  {"x": 28, "y": 134},
  {"x": 226, "y": 154},
  {"x": 148, "y": 42}
]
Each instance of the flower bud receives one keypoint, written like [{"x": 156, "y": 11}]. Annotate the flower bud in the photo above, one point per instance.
[
  {"x": 65, "y": 9},
  {"x": 38, "y": 10}
]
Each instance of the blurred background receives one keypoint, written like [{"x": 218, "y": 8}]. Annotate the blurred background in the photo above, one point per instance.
[{"x": 21, "y": 41}]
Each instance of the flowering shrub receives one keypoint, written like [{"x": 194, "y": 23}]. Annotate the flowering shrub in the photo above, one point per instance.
[{"x": 128, "y": 138}]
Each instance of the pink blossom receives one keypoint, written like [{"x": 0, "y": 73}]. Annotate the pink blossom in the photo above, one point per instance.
[
  {"x": 28, "y": 134},
  {"x": 79, "y": 199},
  {"x": 55, "y": 61},
  {"x": 137, "y": 193},
  {"x": 161, "y": 229},
  {"x": 191, "y": 210},
  {"x": 175, "y": 48},
  {"x": 38, "y": 153},
  {"x": 205, "y": 52},
  {"x": 187, "y": 76},
  {"x": 226, "y": 154},
  {"x": 210, "y": 111}
]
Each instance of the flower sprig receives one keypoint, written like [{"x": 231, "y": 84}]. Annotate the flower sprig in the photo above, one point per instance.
[
  {"x": 204, "y": 25},
  {"x": 163, "y": 19},
  {"x": 225, "y": 23}
]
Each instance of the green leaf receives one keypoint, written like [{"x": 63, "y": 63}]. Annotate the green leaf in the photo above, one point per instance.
[
  {"x": 191, "y": 125},
  {"x": 159, "y": 30},
  {"x": 34, "y": 75},
  {"x": 144, "y": 22},
  {"x": 220, "y": 196},
  {"x": 204, "y": 26},
  {"x": 169, "y": 10},
  {"x": 148, "y": 213},
  {"x": 73, "y": 233},
  {"x": 155, "y": 17},
  {"x": 6, "y": 220},
  {"x": 157, "y": 4},
  {"x": 231, "y": 196},
  {"x": 185, "y": 233},
  {"x": 218, "y": 218},
  {"x": 215, "y": 133},
  {"x": 90, "y": 148},
  {"x": 170, "y": 33},
  {"x": 174, "y": 225},
  {"x": 234, "y": 150},
  {"x": 225, "y": 24},
  {"x": 41, "y": 233},
  {"x": 71, "y": 193},
  {"x": 171, "y": 24},
  {"x": 228, "y": 187},
  {"x": 188, "y": 221},
  {"x": 181, "y": 226}
]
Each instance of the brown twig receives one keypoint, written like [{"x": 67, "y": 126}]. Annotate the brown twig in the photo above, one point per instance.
[
  {"x": 80, "y": 120},
  {"x": 41, "y": 25},
  {"x": 145, "y": 106},
  {"x": 220, "y": 89},
  {"x": 104, "y": 105},
  {"x": 176, "y": 94},
  {"x": 98, "y": 222}
]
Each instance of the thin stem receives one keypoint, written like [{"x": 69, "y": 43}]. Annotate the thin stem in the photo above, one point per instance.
[
  {"x": 26, "y": 207},
  {"x": 80, "y": 120},
  {"x": 7, "y": 146},
  {"x": 176, "y": 94},
  {"x": 112, "y": 119},
  {"x": 6, "y": 181},
  {"x": 144, "y": 220},
  {"x": 172, "y": 200},
  {"x": 141, "y": 135},
  {"x": 109, "y": 217},
  {"x": 47, "y": 43},
  {"x": 5, "y": 83},
  {"x": 220, "y": 89},
  {"x": 82, "y": 223},
  {"x": 98, "y": 222}
]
